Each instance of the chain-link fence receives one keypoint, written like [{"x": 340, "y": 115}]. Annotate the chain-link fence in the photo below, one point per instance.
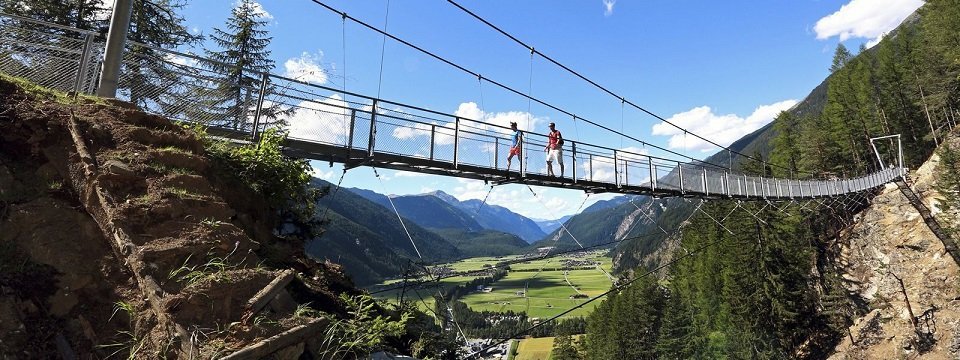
[
  {"x": 50, "y": 55},
  {"x": 243, "y": 102}
]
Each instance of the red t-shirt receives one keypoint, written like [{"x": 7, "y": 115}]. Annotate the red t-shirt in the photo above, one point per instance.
[{"x": 552, "y": 138}]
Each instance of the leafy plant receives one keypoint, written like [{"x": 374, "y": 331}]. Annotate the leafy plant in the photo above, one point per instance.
[
  {"x": 362, "y": 332},
  {"x": 192, "y": 274}
]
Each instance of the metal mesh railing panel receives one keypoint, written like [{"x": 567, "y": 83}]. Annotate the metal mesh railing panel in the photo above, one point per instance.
[{"x": 190, "y": 88}]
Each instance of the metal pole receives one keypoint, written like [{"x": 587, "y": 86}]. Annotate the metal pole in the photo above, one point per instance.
[
  {"x": 371, "y": 143},
  {"x": 116, "y": 39},
  {"x": 496, "y": 152},
  {"x": 705, "y": 189},
  {"x": 84, "y": 63},
  {"x": 353, "y": 120},
  {"x": 433, "y": 138},
  {"x": 680, "y": 172},
  {"x": 573, "y": 144},
  {"x": 456, "y": 143},
  {"x": 653, "y": 174},
  {"x": 616, "y": 170},
  {"x": 256, "y": 117}
]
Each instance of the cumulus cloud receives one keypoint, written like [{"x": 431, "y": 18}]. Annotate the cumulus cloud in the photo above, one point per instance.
[
  {"x": 608, "y": 7},
  {"x": 258, "y": 10},
  {"x": 721, "y": 129},
  {"x": 320, "y": 174},
  {"x": 443, "y": 133},
  {"x": 180, "y": 60},
  {"x": 868, "y": 19},
  {"x": 325, "y": 120},
  {"x": 600, "y": 168},
  {"x": 306, "y": 68}
]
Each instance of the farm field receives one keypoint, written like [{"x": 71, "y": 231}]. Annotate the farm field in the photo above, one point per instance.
[
  {"x": 547, "y": 292},
  {"x": 534, "y": 349}
]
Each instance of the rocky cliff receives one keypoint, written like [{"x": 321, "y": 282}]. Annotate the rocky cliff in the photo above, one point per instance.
[{"x": 908, "y": 283}]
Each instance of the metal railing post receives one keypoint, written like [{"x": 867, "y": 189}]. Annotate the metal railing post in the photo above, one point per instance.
[
  {"x": 371, "y": 144},
  {"x": 680, "y": 172},
  {"x": 725, "y": 183},
  {"x": 353, "y": 121},
  {"x": 653, "y": 174},
  {"x": 616, "y": 170},
  {"x": 456, "y": 143},
  {"x": 706, "y": 190},
  {"x": 626, "y": 173},
  {"x": 433, "y": 139},
  {"x": 763, "y": 192},
  {"x": 84, "y": 63},
  {"x": 523, "y": 154},
  {"x": 496, "y": 153},
  {"x": 264, "y": 77},
  {"x": 800, "y": 187},
  {"x": 573, "y": 144}
]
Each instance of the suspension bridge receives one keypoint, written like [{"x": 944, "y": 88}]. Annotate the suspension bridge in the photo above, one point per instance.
[{"x": 336, "y": 125}]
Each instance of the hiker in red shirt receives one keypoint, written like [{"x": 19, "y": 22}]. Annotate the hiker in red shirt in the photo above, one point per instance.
[{"x": 554, "y": 150}]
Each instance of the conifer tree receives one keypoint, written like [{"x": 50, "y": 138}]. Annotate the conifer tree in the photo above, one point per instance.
[
  {"x": 242, "y": 59},
  {"x": 149, "y": 77},
  {"x": 564, "y": 348},
  {"x": 82, "y": 14}
]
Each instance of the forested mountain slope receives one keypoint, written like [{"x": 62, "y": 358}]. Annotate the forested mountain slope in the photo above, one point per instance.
[
  {"x": 794, "y": 280},
  {"x": 368, "y": 239}
]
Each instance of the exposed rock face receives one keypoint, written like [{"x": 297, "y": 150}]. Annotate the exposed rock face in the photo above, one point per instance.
[{"x": 891, "y": 241}]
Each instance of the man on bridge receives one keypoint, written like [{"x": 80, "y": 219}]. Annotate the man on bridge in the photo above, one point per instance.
[{"x": 554, "y": 150}]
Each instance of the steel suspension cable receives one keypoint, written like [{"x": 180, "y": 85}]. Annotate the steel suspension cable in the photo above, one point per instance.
[
  {"x": 383, "y": 48},
  {"x": 615, "y": 288},
  {"x": 601, "y": 87},
  {"x": 505, "y": 87}
]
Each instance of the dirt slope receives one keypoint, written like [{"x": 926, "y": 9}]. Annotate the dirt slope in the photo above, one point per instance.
[
  {"x": 891, "y": 241},
  {"x": 115, "y": 236}
]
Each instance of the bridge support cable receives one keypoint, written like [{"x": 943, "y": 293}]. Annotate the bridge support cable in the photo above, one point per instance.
[
  {"x": 421, "y": 283},
  {"x": 602, "y": 88},
  {"x": 614, "y": 289},
  {"x": 515, "y": 91},
  {"x": 419, "y": 255},
  {"x": 644, "y": 213},
  {"x": 323, "y": 216},
  {"x": 561, "y": 224}
]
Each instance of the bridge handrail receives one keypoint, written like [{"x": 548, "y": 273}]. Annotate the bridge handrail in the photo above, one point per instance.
[{"x": 374, "y": 125}]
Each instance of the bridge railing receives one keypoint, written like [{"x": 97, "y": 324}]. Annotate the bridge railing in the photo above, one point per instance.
[{"x": 192, "y": 88}]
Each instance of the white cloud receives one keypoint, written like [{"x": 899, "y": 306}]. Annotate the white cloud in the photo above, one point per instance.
[
  {"x": 325, "y": 120},
  {"x": 306, "y": 68},
  {"x": 444, "y": 133},
  {"x": 868, "y": 19},
  {"x": 257, "y": 9},
  {"x": 608, "y": 7},
  {"x": 180, "y": 60},
  {"x": 325, "y": 175},
  {"x": 721, "y": 129},
  {"x": 410, "y": 174}
]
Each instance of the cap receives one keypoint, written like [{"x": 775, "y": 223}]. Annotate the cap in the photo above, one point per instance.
[{"x": 551, "y": 124}]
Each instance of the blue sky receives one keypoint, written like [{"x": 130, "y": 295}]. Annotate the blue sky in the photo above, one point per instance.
[{"x": 721, "y": 69}]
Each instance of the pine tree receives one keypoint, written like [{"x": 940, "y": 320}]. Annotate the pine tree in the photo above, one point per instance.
[
  {"x": 564, "y": 349},
  {"x": 150, "y": 79},
  {"x": 242, "y": 60},
  {"x": 82, "y": 14},
  {"x": 786, "y": 151}
]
